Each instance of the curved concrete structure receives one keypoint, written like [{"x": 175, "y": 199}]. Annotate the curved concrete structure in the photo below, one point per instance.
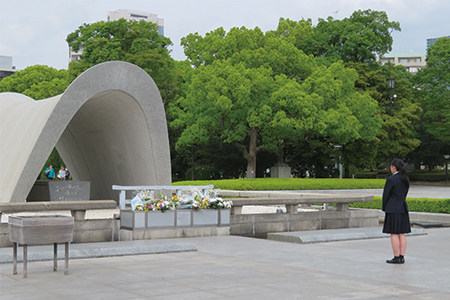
[{"x": 109, "y": 127}]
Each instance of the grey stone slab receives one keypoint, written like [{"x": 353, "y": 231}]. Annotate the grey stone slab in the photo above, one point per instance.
[
  {"x": 333, "y": 235},
  {"x": 428, "y": 224}
]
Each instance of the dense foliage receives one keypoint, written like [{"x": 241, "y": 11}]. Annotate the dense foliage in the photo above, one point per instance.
[
  {"x": 433, "y": 87},
  {"x": 358, "y": 38},
  {"x": 37, "y": 82},
  {"x": 432, "y": 90}
]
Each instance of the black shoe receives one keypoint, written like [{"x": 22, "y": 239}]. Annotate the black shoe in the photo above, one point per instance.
[
  {"x": 402, "y": 259},
  {"x": 395, "y": 260}
]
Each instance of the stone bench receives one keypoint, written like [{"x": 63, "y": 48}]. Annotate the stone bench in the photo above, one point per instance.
[
  {"x": 78, "y": 208},
  {"x": 290, "y": 200},
  {"x": 178, "y": 189}
]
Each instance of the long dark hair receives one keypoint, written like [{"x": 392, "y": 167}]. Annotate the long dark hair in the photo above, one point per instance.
[{"x": 400, "y": 166}]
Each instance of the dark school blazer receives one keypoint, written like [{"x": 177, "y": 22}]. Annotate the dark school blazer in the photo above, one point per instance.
[{"x": 394, "y": 195}]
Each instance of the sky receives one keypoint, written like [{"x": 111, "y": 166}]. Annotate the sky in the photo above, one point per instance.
[{"x": 34, "y": 32}]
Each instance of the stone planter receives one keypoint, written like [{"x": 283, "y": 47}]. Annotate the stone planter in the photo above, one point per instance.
[
  {"x": 133, "y": 219},
  {"x": 174, "y": 218},
  {"x": 157, "y": 219},
  {"x": 205, "y": 217},
  {"x": 224, "y": 217},
  {"x": 184, "y": 218}
]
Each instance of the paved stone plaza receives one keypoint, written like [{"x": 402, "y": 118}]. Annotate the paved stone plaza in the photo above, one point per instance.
[
  {"x": 244, "y": 268},
  {"x": 233, "y": 267}
]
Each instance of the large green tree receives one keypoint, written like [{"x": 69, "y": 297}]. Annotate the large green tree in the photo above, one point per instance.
[
  {"x": 257, "y": 91},
  {"x": 398, "y": 135},
  {"x": 356, "y": 40},
  {"x": 433, "y": 90},
  {"x": 348, "y": 120},
  {"x": 257, "y": 57},
  {"x": 37, "y": 82},
  {"x": 131, "y": 41},
  {"x": 230, "y": 102}
]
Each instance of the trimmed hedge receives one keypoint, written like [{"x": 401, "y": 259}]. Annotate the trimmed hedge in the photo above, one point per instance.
[
  {"x": 414, "y": 204},
  {"x": 276, "y": 184},
  {"x": 427, "y": 176},
  {"x": 373, "y": 174},
  {"x": 420, "y": 175}
]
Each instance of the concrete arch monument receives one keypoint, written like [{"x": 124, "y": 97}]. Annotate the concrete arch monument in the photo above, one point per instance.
[{"x": 109, "y": 127}]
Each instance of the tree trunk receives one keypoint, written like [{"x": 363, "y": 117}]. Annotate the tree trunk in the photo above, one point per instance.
[
  {"x": 250, "y": 155},
  {"x": 250, "y": 152},
  {"x": 347, "y": 171},
  {"x": 192, "y": 163},
  {"x": 280, "y": 153},
  {"x": 346, "y": 164}
]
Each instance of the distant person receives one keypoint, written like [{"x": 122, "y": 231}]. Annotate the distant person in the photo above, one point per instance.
[
  {"x": 67, "y": 174},
  {"x": 49, "y": 172},
  {"x": 396, "y": 221},
  {"x": 62, "y": 174}
]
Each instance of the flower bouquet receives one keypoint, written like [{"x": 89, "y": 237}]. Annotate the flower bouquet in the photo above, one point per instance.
[
  {"x": 194, "y": 199},
  {"x": 216, "y": 202},
  {"x": 160, "y": 203}
]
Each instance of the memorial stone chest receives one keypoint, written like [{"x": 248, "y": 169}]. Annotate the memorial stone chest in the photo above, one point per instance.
[{"x": 40, "y": 230}]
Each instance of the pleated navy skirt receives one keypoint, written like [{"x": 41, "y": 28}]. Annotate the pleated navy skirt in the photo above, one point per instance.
[{"x": 396, "y": 223}]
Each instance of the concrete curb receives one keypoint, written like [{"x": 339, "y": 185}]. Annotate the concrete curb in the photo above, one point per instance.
[{"x": 95, "y": 250}]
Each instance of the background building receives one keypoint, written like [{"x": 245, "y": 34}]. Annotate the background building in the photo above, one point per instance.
[
  {"x": 412, "y": 61},
  {"x": 127, "y": 14},
  {"x": 431, "y": 41},
  {"x": 6, "y": 67}
]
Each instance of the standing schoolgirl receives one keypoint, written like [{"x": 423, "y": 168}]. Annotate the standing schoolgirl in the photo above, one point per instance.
[{"x": 396, "y": 221}]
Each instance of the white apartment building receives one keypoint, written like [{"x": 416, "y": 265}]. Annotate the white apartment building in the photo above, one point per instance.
[
  {"x": 412, "y": 61},
  {"x": 127, "y": 14},
  {"x": 137, "y": 15}
]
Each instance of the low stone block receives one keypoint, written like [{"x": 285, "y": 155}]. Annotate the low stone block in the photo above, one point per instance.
[
  {"x": 243, "y": 229},
  {"x": 91, "y": 236},
  {"x": 263, "y": 228},
  {"x": 151, "y": 234},
  {"x": 125, "y": 235},
  {"x": 280, "y": 171}
]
